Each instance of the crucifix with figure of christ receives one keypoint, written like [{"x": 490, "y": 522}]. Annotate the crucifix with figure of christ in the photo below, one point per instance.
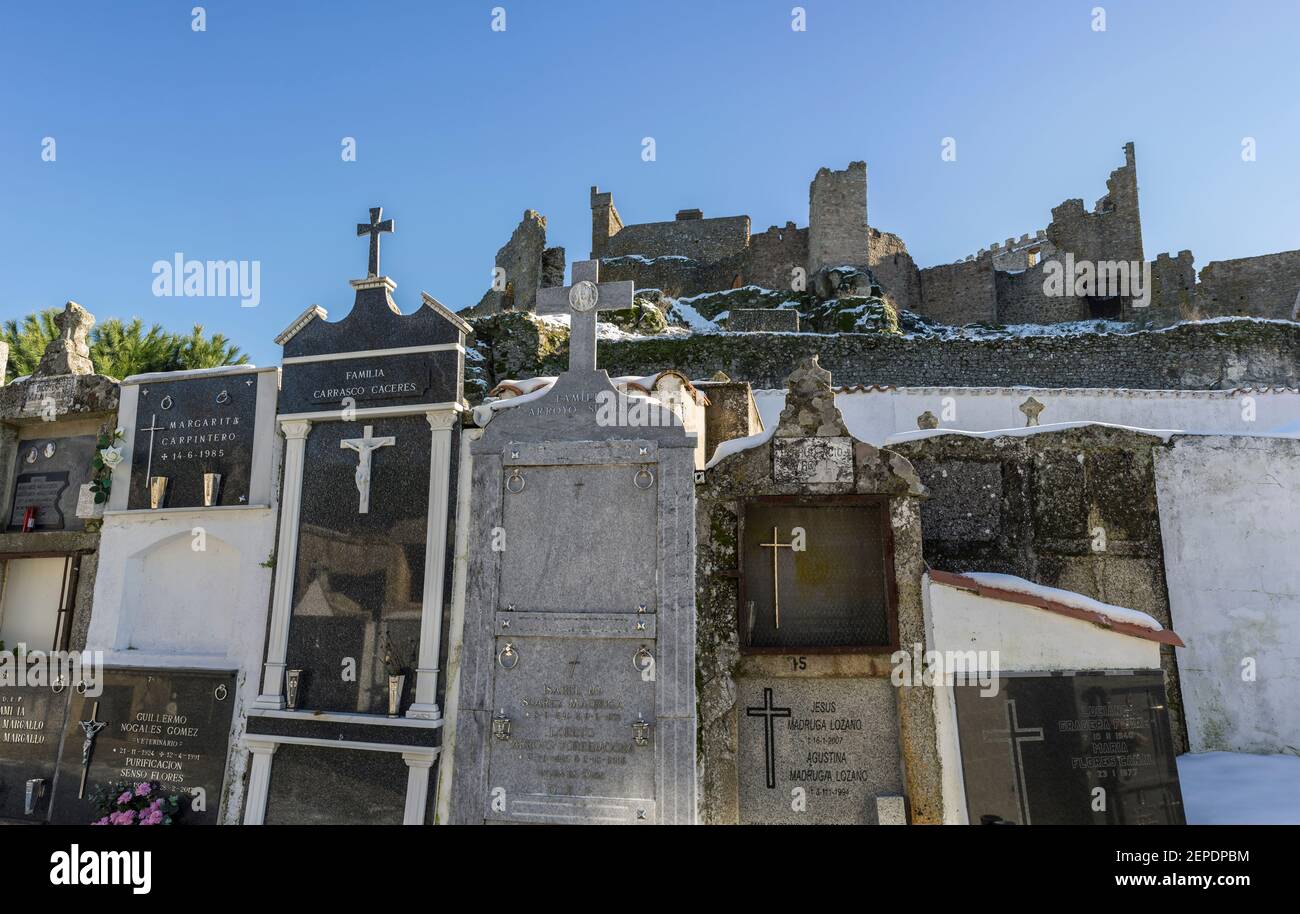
[
  {"x": 364, "y": 446},
  {"x": 582, "y": 301},
  {"x": 91, "y": 729},
  {"x": 775, "y": 545},
  {"x": 374, "y": 228}
]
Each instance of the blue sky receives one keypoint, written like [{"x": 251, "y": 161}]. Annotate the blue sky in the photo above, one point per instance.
[{"x": 226, "y": 143}]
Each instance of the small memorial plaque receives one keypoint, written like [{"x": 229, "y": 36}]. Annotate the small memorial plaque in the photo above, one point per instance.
[
  {"x": 197, "y": 434},
  {"x": 170, "y": 726},
  {"x": 49, "y": 477},
  {"x": 31, "y": 723},
  {"x": 816, "y": 751},
  {"x": 1070, "y": 750}
]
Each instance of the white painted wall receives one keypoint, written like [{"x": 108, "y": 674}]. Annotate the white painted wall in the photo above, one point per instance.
[
  {"x": 1028, "y": 639},
  {"x": 873, "y": 415},
  {"x": 1230, "y": 520},
  {"x": 161, "y": 601}
]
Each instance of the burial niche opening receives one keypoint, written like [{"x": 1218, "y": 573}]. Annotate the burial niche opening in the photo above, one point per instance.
[{"x": 817, "y": 575}]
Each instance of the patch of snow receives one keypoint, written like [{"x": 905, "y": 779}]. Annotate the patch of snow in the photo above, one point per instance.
[
  {"x": 694, "y": 319},
  {"x": 1236, "y": 788},
  {"x": 736, "y": 445},
  {"x": 640, "y": 258},
  {"x": 1066, "y": 597},
  {"x": 1163, "y": 434}
]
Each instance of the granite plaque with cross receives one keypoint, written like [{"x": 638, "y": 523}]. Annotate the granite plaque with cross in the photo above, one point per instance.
[
  {"x": 577, "y": 678},
  {"x": 1070, "y": 749},
  {"x": 169, "y": 726},
  {"x": 193, "y": 442},
  {"x": 815, "y": 751},
  {"x": 49, "y": 476}
]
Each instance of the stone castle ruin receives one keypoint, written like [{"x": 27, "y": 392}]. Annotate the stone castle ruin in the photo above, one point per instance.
[{"x": 825, "y": 272}]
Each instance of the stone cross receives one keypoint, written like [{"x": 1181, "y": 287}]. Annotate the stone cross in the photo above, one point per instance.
[
  {"x": 769, "y": 715},
  {"x": 69, "y": 352},
  {"x": 1031, "y": 408},
  {"x": 581, "y": 301},
  {"x": 364, "y": 446},
  {"x": 373, "y": 228}
]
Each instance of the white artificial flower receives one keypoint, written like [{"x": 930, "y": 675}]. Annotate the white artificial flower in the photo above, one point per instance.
[{"x": 111, "y": 456}]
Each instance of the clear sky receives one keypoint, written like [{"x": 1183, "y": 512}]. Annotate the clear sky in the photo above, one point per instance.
[{"x": 225, "y": 144}]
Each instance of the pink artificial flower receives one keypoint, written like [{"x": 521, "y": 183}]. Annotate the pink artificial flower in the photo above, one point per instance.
[
  {"x": 142, "y": 789},
  {"x": 156, "y": 804},
  {"x": 125, "y": 817},
  {"x": 154, "y": 818},
  {"x": 125, "y": 797},
  {"x": 103, "y": 821}
]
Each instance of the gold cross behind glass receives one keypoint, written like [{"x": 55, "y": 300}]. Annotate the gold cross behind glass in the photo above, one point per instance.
[{"x": 776, "y": 585}]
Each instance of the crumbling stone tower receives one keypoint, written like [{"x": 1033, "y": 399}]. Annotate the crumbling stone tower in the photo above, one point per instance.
[{"x": 837, "y": 218}]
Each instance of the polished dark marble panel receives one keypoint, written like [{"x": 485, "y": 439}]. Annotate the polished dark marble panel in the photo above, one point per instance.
[
  {"x": 31, "y": 724},
  {"x": 377, "y": 731},
  {"x": 392, "y": 380},
  {"x": 373, "y": 324},
  {"x": 190, "y": 427},
  {"x": 313, "y": 785},
  {"x": 1036, "y": 752},
  {"x": 360, "y": 577},
  {"x": 171, "y": 726},
  {"x": 49, "y": 475}
]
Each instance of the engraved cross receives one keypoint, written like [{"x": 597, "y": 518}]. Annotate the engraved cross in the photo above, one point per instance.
[{"x": 769, "y": 715}]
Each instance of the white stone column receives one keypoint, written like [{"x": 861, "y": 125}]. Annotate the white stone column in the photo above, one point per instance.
[
  {"x": 286, "y": 561},
  {"x": 417, "y": 786},
  {"x": 425, "y": 705},
  {"x": 259, "y": 779}
]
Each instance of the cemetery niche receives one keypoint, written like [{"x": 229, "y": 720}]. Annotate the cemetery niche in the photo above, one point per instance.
[
  {"x": 809, "y": 550},
  {"x": 577, "y": 674},
  {"x": 351, "y": 682}
]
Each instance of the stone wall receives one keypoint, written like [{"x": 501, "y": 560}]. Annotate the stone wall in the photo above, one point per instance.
[
  {"x": 1266, "y": 286},
  {"x": 527, "y": 264},
  {"x": 1074, "y": 509},
  {"x": 894, "y": 269},
  {"x": 959, "y": 293},
  {"x": 1214, "y": 356},
  {"x": 699, "y": 239}
]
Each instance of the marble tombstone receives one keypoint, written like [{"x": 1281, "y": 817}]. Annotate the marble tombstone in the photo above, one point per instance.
[
  {"x": 346, "y": 725},
  {"x": 576, "y": 676}
]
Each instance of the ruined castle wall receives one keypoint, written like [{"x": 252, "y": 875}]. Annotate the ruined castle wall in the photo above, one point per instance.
[
  {"x": 837, "y": 218},
  {"x": 959, "y": 293},
  {"x": 699, "y": 239},
  {"x": 1113, "y": 230},
  {"x": 1173, "y": 290},
  {"x": 1265, "y": 286},
  {"x": 677, "y": 276},
  {"x": 521, "y": 258},
  {"x": 772, "y": 257},
  {"x": 1022, "y": 299},
  {"x": 894, "y": 269},
  {"x": 1215, "y": 356}
]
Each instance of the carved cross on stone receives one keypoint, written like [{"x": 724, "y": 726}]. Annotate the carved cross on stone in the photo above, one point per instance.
[
  {"x": 1031, "y": 408},
  {"x": 374, "y": 228},
  {"x": 581, "y": 301},
  {"x": 364, "y": 446},
  {"x": 69, "y": 352}
]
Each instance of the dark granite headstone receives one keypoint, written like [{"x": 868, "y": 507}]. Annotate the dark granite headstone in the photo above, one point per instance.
[
  {"x": 360, "y": 577},
  {"x": 327, "y": 786},
  {"x": 1070, "y": 750},
  {"x": 49, "y": 476},
  {"x": 170, "y": 726},
  {"x": 31, "y": 724},
  {"x": 192, "y": 426}
]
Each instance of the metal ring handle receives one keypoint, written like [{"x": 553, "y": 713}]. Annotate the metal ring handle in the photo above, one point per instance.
[
  {"x": 642, "y": 660},
  {"x": 512, "y": 479},
  {"x": 645, "y": 474}
]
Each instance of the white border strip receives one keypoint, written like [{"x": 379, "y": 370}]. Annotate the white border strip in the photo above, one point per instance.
[{"x": 371, "y": 353}]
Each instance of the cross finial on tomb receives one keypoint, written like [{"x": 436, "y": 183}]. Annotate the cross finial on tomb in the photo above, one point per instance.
[
  {"x": 581, "y": 301},
  {"x": 374, "y": 228}
]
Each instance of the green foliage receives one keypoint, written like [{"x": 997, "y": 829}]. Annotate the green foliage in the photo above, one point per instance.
[{"x": 119, "y": 349}]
